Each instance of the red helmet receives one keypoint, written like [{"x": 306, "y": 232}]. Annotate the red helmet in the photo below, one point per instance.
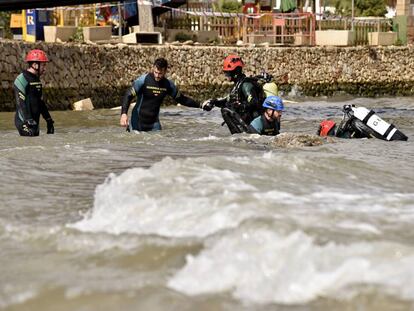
[
  {"x": 325, "y": 127},
  {"x": 36, "y": 56},
  {"x": 231, "y": 62}
]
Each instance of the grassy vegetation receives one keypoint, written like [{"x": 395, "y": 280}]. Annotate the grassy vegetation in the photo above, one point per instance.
[
  {"x": 5, "y": 23},
  {"x": 361, "y": 7}
]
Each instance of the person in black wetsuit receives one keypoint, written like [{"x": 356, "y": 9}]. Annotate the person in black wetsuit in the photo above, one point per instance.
[
  {"x": 269, "y": 122},
  {"x": 360, "y": 122},
  {"x": 150, "y": 90},
  {"x": 28, "y": 93},
  {"x": 244, "y": 103}
]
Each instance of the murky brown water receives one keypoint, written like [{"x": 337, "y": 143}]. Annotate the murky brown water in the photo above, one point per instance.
[{"x": 191, "y": 218}]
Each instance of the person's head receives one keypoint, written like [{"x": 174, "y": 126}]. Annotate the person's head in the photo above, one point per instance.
[
  {"x": 233, "y": 67},
  {"x": 160, "y": 68},
  {"x": 273, "y": 107},
  {"x": 327, "y": 128},
  {"x": 37, "y": 60}
]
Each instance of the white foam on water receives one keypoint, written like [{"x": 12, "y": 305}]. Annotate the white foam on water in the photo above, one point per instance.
[
  {"x": 173, "y": 198},
  {"x": 208, "y": 138},
  {"x": 261, "y": 266},
  {"x": 9, "y": 295},
  {"x": 197, "y": 197}
]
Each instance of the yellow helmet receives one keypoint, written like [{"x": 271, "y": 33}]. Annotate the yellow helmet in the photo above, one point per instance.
[{"x": 270, "y": 89}]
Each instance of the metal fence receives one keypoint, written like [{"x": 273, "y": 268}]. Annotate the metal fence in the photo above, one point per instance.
[
  {"x": 361, "y": 27},
  {"x": 279, "y": 28},
  {"x": 274, "y": 28}
]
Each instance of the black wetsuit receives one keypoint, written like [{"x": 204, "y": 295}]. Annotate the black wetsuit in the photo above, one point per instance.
[
  {"x": 245, "y": 99},
  {"x": 353, "y": 128},
  {"x": 29, "y": 104},
  {"x": 150, "y": 95}
]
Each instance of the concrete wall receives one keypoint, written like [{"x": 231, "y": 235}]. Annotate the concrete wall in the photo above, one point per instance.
[{"x": 103, "y": 72}]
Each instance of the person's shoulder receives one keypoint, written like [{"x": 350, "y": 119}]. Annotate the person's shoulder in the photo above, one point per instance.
[
  {"x": 257, "y": 120},
  {"x": 21, "y": 81},
  {"x": 169, "y": 81}
]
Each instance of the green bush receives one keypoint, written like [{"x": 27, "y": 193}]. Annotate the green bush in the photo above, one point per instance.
[
  {"x": 5, "y": 23},
  {"x": 77, "y": 36},
  {"x": 181, "y": 36}
]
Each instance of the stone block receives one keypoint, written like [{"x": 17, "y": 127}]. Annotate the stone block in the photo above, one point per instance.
[
  {"x": 334, "y": 37},
  {"x": 97, "y": 33},
  {"x": 301, "y": 39},
  {"x": 172, "y": 34},
  {"x": 143, "y": 37},
  {"x": 83, "y": 105},
  {"x": 382, "y": 38},
  {"x": 206, "y": 36},
  {"x": 58, "y": 33}
]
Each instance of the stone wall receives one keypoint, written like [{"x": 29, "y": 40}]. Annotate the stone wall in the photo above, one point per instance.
[{"x": 103, "y": 72}]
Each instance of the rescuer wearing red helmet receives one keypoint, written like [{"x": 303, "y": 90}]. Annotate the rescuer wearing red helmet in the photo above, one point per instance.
[
  {"x": 28, "y": 93},
  {"x": 244, "y": 103}
]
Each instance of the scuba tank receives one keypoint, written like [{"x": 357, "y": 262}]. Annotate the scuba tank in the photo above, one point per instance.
[
  {"x": 375, "y": 125},
  {"x": 270, "y": 89}
]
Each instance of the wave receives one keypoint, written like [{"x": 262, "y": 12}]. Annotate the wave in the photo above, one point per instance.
[{"x": 262, "y": 266}]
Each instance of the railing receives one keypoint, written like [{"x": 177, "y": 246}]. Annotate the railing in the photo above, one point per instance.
[
  {"x": 361, "y": 27},
  {"x": 279, "y": 28},
  {"x": 275, "y": 28}
]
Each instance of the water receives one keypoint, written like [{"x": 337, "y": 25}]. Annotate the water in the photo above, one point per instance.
[{"x": 191, "y": 218}]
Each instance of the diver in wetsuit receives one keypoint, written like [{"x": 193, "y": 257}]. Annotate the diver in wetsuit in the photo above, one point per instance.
[
  {"x": 269, "y": 122},
  {"x": 244, "y": 103},
  {"x": 359, "y": 122},
  {"x": 28, "y": 94},
  {"x": 150, "y": 90}
]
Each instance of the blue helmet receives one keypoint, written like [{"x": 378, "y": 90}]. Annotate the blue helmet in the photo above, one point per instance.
[{"x": 274, "y": 102}]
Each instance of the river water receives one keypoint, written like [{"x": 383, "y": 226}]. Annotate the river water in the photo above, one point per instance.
[{"x": 191, "y": 218}]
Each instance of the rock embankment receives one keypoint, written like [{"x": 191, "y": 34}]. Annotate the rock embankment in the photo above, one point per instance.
[{"x": 103, "y": 72}]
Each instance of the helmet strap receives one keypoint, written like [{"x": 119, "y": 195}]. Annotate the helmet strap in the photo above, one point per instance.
[{"x": 36, "y": 70}]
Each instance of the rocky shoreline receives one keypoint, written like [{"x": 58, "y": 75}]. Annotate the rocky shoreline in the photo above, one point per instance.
[{"x": 103, "y": 71}]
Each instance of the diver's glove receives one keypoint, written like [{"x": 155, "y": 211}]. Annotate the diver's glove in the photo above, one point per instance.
[
  {"x": 50, "y": 127},
  {"x": 28, "y": 127},
  {"x": 207, "y": 105}
]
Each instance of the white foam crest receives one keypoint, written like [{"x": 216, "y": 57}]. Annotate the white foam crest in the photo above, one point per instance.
[
  {"x": 262, "y": 266},
  {"x": 332, "y": 199},
  {"x": 209, "y": 138},
  {"x": 174, "y": 198},
  {"x": 12, "y": 295}
]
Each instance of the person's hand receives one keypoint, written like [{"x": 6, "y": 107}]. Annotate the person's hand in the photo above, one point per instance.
[
  {"x": 28, "y": 126},
  {"x": 50, "y": 127},
  {"x": 31, "y": 122},
  {"x": 207, "y": 105},
  {"x": 124, "y": 120}
]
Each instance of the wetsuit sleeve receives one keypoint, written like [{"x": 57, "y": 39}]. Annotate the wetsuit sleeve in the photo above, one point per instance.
[
  {"x": 252, "y": 98},
  {"x": 44, "y": 111},
  {"x": 131, "y": 93},
  {"x": 220, "y": 102},
  {"x": 345, "y": 129},
  {"x": 181, "y": 98},
  {"x": 20, "y": 85}
]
